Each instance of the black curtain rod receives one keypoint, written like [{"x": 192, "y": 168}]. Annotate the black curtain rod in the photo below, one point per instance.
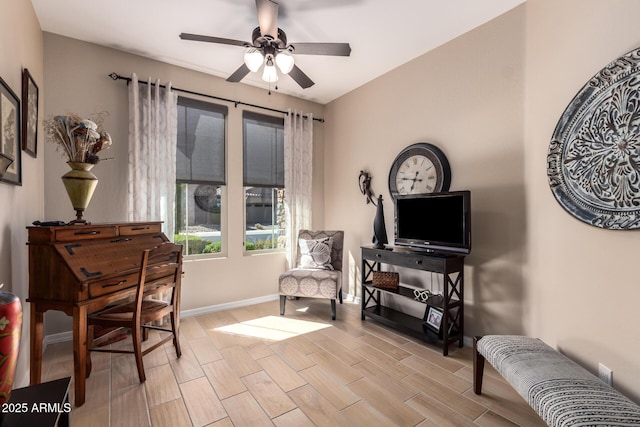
[{"x": 116, "y": 76}]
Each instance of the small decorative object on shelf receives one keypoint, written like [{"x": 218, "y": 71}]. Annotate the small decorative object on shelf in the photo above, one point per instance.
[
  {"x": 80, "y": 140},
  {"x": 433, "y": 319},
  {"x": 427, "y": 297},
  {"x": 386, "y": 280},
  {"x": 10, "y": 327}
]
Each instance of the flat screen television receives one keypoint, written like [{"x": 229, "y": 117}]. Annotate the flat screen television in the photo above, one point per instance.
[{"x": 435, "y": 222}]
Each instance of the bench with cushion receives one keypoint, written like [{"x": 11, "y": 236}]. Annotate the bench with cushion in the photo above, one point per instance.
[{"x": 562, "y": 392}]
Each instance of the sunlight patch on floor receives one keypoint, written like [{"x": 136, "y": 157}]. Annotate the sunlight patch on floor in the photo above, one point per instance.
[{"x": 275, "y": 328}]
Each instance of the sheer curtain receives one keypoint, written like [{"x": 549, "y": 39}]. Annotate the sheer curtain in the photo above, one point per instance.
[
  {"x": 298, "y": 148},
  {"x": 153, "y": 122}
]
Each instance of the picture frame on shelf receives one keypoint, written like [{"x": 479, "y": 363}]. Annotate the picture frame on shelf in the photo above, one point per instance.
[
  {"x": 433, "y": 318},
  {"x": 10, "y": 129},
  {"x": 29, "y": 114}
]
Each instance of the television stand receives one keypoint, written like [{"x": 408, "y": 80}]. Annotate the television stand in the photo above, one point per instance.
[{"x": 451, "y": 266}]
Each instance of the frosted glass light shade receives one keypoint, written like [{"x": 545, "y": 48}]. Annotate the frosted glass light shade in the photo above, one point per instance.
[
  {"x": 284, "y": 62},
  {"x": 253, "y": 59},
  {"x": 270, "y": 74}
]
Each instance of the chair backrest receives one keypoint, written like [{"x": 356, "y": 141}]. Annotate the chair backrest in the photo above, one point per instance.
[
  {"x": 336, "y": 248},
  {"x": 160, "y": 271}
]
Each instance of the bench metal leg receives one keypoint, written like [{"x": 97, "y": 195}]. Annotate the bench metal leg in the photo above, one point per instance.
[{"x": 478, "y": 367}]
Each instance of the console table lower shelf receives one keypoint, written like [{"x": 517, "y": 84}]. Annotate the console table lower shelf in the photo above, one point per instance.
[
  {"x": 397, "y": 319},
  {"x": 408, "y": 324}
]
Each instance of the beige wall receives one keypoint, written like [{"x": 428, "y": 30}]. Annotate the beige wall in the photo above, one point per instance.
[
  {"x": 582, "y": 281},
  {"x": 76, "y": 79},
  {"x": 490, "y": 100},
  {"x": 20, "y": 47},
  {"x": 466, "y": 98}
]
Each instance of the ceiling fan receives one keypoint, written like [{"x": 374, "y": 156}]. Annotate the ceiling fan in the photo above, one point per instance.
[{"x": 269, "y": 47}]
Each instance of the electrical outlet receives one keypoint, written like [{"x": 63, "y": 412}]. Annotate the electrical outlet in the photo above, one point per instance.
[{"x": 605, "y": 374}]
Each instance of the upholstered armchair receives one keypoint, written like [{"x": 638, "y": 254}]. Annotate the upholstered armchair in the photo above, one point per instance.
[{"x": 318, "y": 272}]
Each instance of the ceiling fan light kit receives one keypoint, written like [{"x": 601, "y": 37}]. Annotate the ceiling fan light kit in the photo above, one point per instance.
[
  {"x": 269, "y": 46},
  {"x": 253, "y": 59},
  {"x": 285, "y": 62},
  {"x": 269, "y": 75}
]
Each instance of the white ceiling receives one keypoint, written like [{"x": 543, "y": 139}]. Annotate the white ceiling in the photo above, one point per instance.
[{"x": 383, "y": 34}]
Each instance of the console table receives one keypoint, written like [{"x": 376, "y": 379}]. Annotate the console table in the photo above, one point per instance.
[
  {"x": 451, "y": 266},
  {"x": 80, "y": 269}
]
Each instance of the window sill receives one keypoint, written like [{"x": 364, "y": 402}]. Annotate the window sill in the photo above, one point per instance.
[{"x": 264, "y": 252}]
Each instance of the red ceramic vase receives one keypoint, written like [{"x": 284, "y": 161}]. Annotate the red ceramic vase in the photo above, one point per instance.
[{"x": 10, "y": 327}]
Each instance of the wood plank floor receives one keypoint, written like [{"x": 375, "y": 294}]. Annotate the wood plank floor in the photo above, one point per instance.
[{"x": 250, "y": 366}]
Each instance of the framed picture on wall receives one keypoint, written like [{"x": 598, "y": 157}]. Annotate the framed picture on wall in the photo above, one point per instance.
[
  {"x": 29, "y": 114},
  {"x": 10, "y": 132}
]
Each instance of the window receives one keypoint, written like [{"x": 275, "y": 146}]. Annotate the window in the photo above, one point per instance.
[
  {"x": 200, "y": 176},
  {"x": 263, "y": 154}
]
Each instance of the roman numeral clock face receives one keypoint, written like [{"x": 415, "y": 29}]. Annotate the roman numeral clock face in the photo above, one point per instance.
[
  {"x": 416, "y": 175},
  {"x": 420, "y": 168}
]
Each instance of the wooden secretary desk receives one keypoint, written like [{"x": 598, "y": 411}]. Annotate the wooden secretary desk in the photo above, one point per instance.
[{"x": 80, "y": 269}]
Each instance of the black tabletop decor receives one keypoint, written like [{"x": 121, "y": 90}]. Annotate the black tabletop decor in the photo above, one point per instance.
[{"x": 379, "y": 229}]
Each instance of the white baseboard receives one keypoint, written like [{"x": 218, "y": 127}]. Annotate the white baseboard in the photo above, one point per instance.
[
  {"x": 227, "y": 306},
  {"x": 68, "y": 336},
  {"x": 56, "y": 338}
]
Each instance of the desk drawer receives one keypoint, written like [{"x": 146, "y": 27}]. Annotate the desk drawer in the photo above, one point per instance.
[
  {"x": 115, "y": 284},
  {"x": 134, "y": 229},
  {"x": 85, "y": 233}
]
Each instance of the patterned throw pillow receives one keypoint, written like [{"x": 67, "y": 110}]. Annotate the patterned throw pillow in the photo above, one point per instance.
[{"x": 316, "y": 253}]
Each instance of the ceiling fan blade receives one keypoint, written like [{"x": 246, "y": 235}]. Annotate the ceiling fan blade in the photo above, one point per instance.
[
  {"x": 239, "y": 74},
  {"x": 301, "y": 78},
  {"x": 268, "y": 17},
  {"x": 210, "y": 39},
  {"x": 333, "y": 49}
]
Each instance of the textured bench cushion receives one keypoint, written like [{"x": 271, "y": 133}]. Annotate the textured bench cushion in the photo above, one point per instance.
[{"x": 557, "y": 388}]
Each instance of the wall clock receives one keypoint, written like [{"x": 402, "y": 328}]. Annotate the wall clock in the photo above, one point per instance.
[
  {"x": 420, "y": 168},
  {"x": 593, "y": 162}
]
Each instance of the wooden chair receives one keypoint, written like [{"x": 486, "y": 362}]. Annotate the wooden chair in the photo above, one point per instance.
[
  {"x": 323, "y": 279},
  {"x": 160, "y": 274}
]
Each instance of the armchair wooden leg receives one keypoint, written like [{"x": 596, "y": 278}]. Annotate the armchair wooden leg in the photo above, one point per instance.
[
  {"x": 333, "y": 309},
  {"x": 283, "y": 301},
  {"x": 478, "y": 367}
]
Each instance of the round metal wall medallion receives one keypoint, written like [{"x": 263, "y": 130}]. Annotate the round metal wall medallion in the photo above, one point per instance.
[{"x": 593, "y": 163}]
